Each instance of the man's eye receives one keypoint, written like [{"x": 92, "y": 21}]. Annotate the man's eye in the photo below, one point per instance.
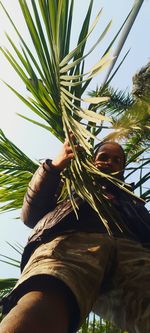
[
  {"x": 117, "y": 159},
  {"x": 103, "y": 157}
]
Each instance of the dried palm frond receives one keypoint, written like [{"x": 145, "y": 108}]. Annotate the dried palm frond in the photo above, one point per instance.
[{"x": 141, "y": 82}]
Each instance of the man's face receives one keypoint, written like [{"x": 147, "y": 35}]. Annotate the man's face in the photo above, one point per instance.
[{"x": 110, "y": 159}]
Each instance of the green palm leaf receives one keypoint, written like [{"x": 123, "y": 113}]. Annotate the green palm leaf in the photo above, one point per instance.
[
  {"x": 16, "y": 170},
  {"x": 6, "y": 285}
]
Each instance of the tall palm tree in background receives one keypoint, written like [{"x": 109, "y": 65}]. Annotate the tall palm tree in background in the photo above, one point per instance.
[{"x": 56, "y": 80}]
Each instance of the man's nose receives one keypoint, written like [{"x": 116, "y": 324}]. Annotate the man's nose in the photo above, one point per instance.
[{"x": 109, "y": 161}]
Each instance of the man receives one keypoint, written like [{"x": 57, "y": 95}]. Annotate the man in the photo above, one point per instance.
[{"x": 72, "y": 266}]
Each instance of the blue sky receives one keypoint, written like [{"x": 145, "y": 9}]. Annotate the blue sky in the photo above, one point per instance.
[{"x": 36, "y": 142}]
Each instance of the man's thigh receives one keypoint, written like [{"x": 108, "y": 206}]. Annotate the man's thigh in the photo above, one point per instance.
[
  {"x": 80, "y": 260},
  {"x": 127, "y": 303},
  {"x": 134, "y": 278},
  {"x": 38, "y": 312}
]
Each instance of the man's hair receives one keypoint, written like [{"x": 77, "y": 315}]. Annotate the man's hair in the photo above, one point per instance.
[{"x": 102, "y": 143}]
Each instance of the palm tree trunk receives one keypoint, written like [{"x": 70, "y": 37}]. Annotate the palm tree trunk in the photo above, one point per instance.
[{"x": 135, "y": 10}]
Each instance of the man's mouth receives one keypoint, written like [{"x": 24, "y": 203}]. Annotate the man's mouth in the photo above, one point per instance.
[{"x": 105, "y": 169}]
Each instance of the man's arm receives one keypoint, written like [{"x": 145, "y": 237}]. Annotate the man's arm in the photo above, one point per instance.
[{"x": 41, "y": 196}]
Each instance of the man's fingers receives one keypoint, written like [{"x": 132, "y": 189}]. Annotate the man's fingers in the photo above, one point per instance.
[
  {"x": 76, "y": 147},
  {"x": 68, "y": 147},
  {"x": 72, "y": 137},
  {"x": 71, "y": 156}
]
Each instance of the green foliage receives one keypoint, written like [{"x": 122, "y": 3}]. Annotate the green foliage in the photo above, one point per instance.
[
  {"x": 54, "y": 76},
  {"x": 94, "y": 324},
  {"x": 16, "y": 170},
  {"x": 6, "y": 285}
]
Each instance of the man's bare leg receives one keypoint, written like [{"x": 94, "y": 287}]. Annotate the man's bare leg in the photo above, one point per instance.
[{"x": 38, "y": 312}]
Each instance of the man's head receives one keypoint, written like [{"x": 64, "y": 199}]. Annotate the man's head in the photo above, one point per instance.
[{"x": 110, "y": 158}]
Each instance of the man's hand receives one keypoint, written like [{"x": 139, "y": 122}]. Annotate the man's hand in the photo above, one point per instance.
[{"x": 65, "y": 156}]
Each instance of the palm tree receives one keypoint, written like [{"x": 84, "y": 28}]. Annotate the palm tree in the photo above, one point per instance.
[{"x": 56, "y": 81}]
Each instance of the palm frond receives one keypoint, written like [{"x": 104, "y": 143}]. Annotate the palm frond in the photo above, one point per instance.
[
  {"x": 140, "y": 170},
  {"x": 130, "y": 118},
  {"x": 133, "y": 123},
  {"x": 16, "y": 170},
  {"x": 6, "y": 285},
  {"x": 141, "y": 82},
  {"x": 49, "y": 94},
  {"x": 117, "y": 103}
]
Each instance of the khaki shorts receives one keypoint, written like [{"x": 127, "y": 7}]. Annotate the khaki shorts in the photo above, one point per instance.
[{"x": 107, "y": 275}]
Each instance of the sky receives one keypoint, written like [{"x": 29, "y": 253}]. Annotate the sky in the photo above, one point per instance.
[{"x": 36, "y": 142}]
